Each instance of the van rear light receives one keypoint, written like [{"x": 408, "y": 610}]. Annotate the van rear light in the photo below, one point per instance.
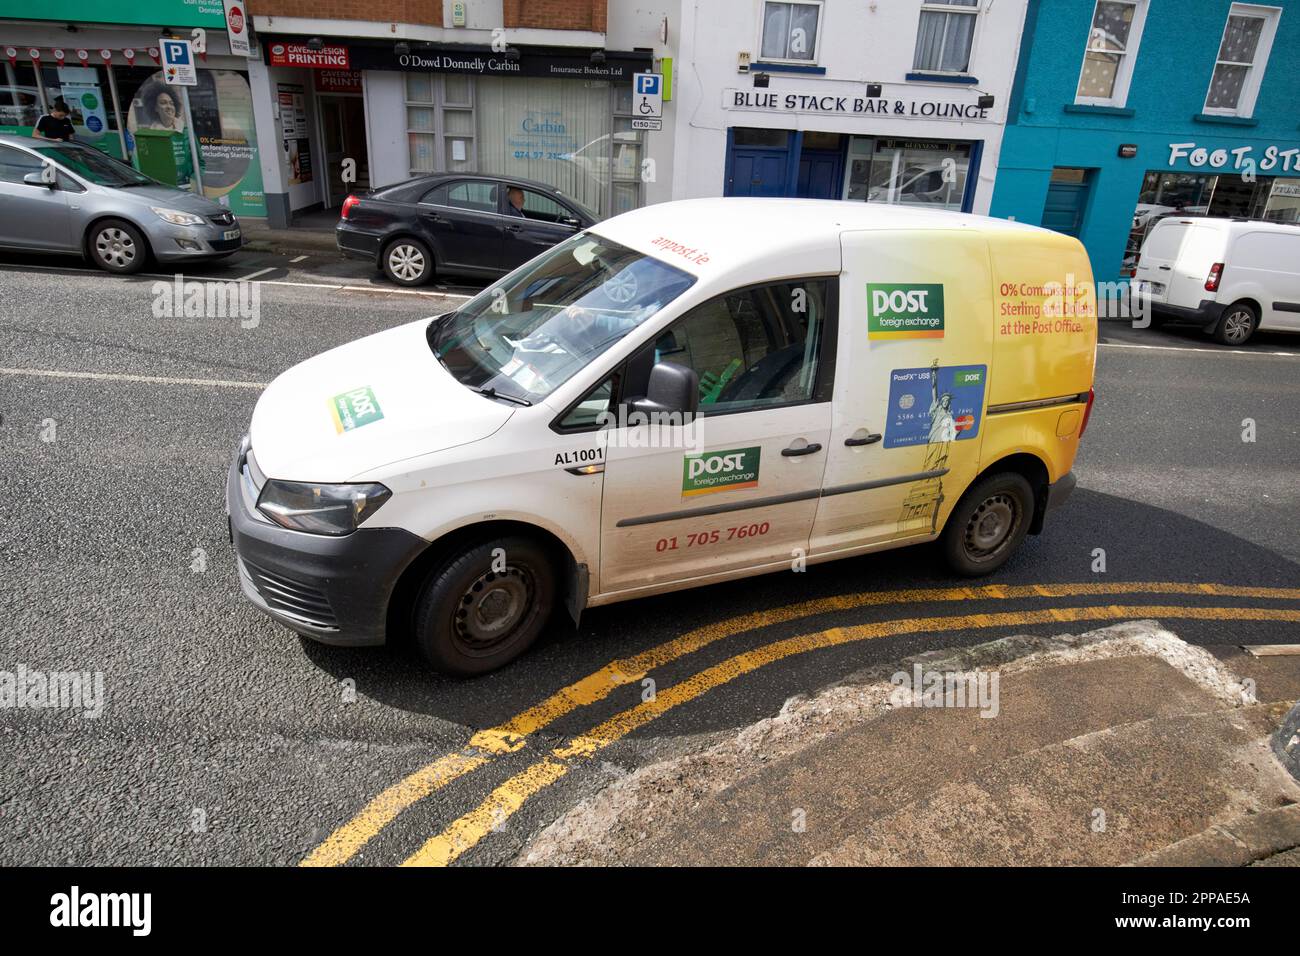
[
  {"x": 1212, "y": 280},
  {"x": 1087, "y": 411},
  {"x": 348, "y": 204}
]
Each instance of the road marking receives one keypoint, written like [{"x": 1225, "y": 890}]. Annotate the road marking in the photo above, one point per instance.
[
  {"x": 296, "y": 259},
  {"x": 393, "y": 289},
  {"x": 254, "y": 275},
  {"x": 1272, "y": 650},
  {"x": 1189, "y": 348},
  {"x": 507, "y": 799},
  {"x": 148, "y": 379},
  {"x": 346, "y": 840},
  {"x": 306, "y": 285}
]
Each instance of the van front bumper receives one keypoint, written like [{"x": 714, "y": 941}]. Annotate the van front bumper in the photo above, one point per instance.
[{"x": 335, "y": 590}]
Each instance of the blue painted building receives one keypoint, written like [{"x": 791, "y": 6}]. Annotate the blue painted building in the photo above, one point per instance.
[{"x": 1123, "y": 110}]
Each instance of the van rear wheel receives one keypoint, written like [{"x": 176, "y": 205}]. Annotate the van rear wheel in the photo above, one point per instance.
[
  {"x": 484, "y": 607},
  {"x": 988, "y": 524},
  {"x": 1237, "y": 324}
]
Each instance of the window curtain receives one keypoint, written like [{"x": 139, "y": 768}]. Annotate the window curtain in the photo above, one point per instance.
[{"x": 552, "y": 130}]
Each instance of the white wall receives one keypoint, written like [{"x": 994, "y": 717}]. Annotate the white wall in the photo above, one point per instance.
[
  {"x": 385, "y": 95},
  {"x": 861, "y": 42},
  {"x": 634, "y": 25}
]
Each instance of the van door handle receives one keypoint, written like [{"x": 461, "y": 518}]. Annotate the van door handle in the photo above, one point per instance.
[
  {"x": 866, "y": 440},
  {"x": 1166, "y": 268},
  {"x": 796, "y": 450}
]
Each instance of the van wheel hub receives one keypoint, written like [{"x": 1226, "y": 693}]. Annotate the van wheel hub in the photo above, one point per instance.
[
  {"x": 1236, "y": 326},
  {"x": 492, "y": 607},
  {"x": 991, "y": 525}
]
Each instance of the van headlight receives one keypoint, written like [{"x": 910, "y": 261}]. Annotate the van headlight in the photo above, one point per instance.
[
  {"x": 176, "y": 217},
  {"x": 320, "y": 509}
]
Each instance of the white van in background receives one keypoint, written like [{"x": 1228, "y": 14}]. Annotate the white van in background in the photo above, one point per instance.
[{"x": 1230, "y": 276}]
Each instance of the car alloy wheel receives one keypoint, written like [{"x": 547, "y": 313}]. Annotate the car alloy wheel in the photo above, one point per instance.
[
  {"x": 1237, "y": 326},
  {"x": 115, "y": 248},
  {"x": 406, "y": 262}
]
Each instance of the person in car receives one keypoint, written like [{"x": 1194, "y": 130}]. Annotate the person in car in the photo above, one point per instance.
[{"x": 515, "y": 202}]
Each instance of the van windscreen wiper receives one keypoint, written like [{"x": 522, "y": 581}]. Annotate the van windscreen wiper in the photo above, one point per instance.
[{"x": 490, "y": 392}]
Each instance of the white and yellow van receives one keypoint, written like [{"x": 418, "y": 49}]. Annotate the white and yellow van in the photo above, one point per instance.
[{"x": 688, "y": 393}]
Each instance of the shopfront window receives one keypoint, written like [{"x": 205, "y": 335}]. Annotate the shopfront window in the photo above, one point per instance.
[
  {"x": 908, "y": 172},
  {"x": 790, "y": 31},
  {"x": 222, "y": 107},
  {"x": 440, "y": 123},
  {"x": 575, "y": 135},
  {"x": 1173, "y": 193},
  {"x": 86, "y": 92},
  {"x": 559, "y": 132},
  {"x": 20, "y": 100},
  {"x": 945, "y": 35}
]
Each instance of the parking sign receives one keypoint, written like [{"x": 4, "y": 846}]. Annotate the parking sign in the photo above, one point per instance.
[
  {"x": 648, "y": 95},
  {"x": 178, "y": 62}
]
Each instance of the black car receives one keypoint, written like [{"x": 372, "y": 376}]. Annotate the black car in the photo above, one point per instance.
[{"x": 474, "y": 225}]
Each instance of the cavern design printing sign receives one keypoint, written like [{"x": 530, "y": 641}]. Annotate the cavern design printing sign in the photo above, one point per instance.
[{"x": 778, "y": 101}]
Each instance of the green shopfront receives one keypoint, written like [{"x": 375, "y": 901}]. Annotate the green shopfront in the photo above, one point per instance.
[{"x": 109, "y": 73}]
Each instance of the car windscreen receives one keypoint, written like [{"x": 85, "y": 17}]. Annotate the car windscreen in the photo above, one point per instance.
[
  {"x": 530, "y": 332},
  {"x": 93, "y": 165}
]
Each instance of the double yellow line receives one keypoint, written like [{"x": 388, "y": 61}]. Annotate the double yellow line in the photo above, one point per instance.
[{"x": 487, "y": 745}]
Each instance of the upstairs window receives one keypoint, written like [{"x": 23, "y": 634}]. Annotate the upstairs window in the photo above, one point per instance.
[
  {"x": 944, "y": 36},
  {"x": 1110, "y": 52},
  {"x": 1243, "y": 55},
  {"x": 790, "y": 32}
]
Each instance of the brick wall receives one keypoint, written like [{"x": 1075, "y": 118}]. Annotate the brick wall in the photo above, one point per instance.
[
  {"x": 538, "y": 14},
  {"x": 557, "y": 14}
]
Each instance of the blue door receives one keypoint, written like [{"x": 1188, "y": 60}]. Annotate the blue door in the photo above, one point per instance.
[
  {"x": 821, "y": 174},
  {"x": 1067, "y": 199},
  {"x": 757, "y": 172},
  {"x": 758, "y": 162}
]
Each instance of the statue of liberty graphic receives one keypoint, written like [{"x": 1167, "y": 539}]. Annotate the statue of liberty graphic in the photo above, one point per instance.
[{"x": 926, "y": 497}]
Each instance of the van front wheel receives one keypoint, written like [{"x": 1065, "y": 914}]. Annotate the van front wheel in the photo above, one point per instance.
[
  {"x": 484, "y": 607},
  {"x": 988, "y": 524}
]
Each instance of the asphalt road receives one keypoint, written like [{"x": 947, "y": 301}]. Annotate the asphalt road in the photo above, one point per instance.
[{"x": 226, "y": 739}]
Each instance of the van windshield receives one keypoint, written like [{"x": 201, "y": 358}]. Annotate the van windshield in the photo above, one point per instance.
[{"x": 526, "y": 335}]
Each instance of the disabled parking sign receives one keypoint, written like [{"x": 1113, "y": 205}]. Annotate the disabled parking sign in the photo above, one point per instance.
[{"x": 647, "y": 100}]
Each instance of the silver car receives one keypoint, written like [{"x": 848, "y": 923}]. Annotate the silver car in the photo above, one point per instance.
[{"x": 70, "y": 198}]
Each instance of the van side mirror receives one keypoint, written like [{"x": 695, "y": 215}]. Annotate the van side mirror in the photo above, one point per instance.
[{"x": 672, "y": 388}]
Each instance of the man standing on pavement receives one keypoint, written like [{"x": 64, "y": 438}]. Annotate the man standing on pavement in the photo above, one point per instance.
[{"x": 55, "y": 124}]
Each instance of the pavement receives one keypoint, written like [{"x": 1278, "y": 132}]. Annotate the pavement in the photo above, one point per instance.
[
  {"x": 1118, "y": 746},
  {"x": 225, "y": 739}
]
